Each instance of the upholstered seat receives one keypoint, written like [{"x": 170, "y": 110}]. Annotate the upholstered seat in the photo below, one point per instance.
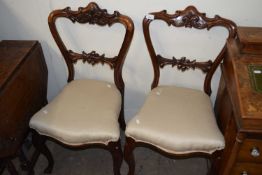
[
  {"x": 177, "y": 120},
  {"x": 74, "y": 118}
]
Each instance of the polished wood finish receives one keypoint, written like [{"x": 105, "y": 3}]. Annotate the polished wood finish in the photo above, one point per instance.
[
  {"x": 251, "y": 40},
  {"x": 39, "y": 141},
  {"x": 246, "y": 169},
  {"x": 23, "y": 88},
  {"x": 188, "y": 18},
  {"x": 246, "y": 148},
  {"x": 92, "y": 15},
  {"x": 131, "y": 144},
  {"x": 238, "y": 105}
]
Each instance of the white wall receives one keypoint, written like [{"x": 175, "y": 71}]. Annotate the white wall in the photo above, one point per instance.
[{"x": 27, "y": 20}]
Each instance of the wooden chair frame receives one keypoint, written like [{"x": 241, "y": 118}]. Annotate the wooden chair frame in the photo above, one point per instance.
[
  {"x": 91, "y": 14},
  {"x": 190, "y": 17}
]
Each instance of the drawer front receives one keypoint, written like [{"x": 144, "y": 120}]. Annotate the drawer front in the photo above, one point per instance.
[
  {"x": 247, "y": 169},
  {"x": 251, "y": 151}
]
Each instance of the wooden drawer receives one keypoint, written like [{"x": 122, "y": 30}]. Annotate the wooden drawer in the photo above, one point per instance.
[
  {"x": 250, "y": 151},
  {"x": 23, "y": 85},
  {"x": 247, "y": 169}
]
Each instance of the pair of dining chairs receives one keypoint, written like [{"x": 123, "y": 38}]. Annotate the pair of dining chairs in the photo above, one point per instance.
[{"x": 175, "y": 121}]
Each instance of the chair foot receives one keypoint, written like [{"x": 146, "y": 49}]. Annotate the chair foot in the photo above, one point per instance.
[
  {"x": 117, "y": 155},
  {"x": 129, "y": 156},
  {"x": 39, "y": 143}
]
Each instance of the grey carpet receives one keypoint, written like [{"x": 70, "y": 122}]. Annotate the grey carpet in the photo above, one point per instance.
[{"x": 99, "y": 162}]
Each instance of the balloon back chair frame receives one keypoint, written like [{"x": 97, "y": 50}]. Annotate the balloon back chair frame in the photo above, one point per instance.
[
  {"x": 91, "y": 14},
  {"x": 190, "y": 17}
]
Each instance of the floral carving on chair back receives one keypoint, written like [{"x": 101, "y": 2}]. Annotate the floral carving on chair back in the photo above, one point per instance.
[{"x": 188, "y": 18}]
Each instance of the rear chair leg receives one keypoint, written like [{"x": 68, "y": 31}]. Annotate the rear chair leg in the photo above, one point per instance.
[
  {"x": 129, "y": 155},
  {"x": 215, "y": 163},
  {"x": 117, "y": 155}
]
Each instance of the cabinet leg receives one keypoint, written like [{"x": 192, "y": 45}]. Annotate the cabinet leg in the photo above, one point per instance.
[{"x": 11, "y": 168}]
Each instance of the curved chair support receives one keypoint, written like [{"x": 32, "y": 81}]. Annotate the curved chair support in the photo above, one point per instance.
[
  {"x": 115, "y": 149},
  {"x": 93, "y": 14},
  {"x": 190, "y": 17},
  {"x": 41, "y": 148},
  {"x": 129, "y": 155},
  {"x": 39, "y": 142},
  {"x": 131, "y": 145}
]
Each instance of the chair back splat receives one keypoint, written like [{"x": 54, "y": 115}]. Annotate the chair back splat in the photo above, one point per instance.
[
  {"x": 189, "y": 18},
  {"x": 92, "y": 14}
]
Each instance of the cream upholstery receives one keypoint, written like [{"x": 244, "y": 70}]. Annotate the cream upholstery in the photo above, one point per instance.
[
  {"x": 177, "y": 120},
  {"x": 86, "y": 111}
]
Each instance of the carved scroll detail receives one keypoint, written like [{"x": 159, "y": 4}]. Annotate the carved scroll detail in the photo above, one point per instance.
[
  {"x": 93, "y": 58},
  {"x": 91, "y": 14},
  {"x": 191, "y": 17},
  {"x": 184, "y": 64}
]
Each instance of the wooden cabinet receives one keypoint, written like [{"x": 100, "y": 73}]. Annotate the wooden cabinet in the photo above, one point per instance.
[
  {"x": 239, "y": 104},
  {"x": 23, "y": 86}
]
